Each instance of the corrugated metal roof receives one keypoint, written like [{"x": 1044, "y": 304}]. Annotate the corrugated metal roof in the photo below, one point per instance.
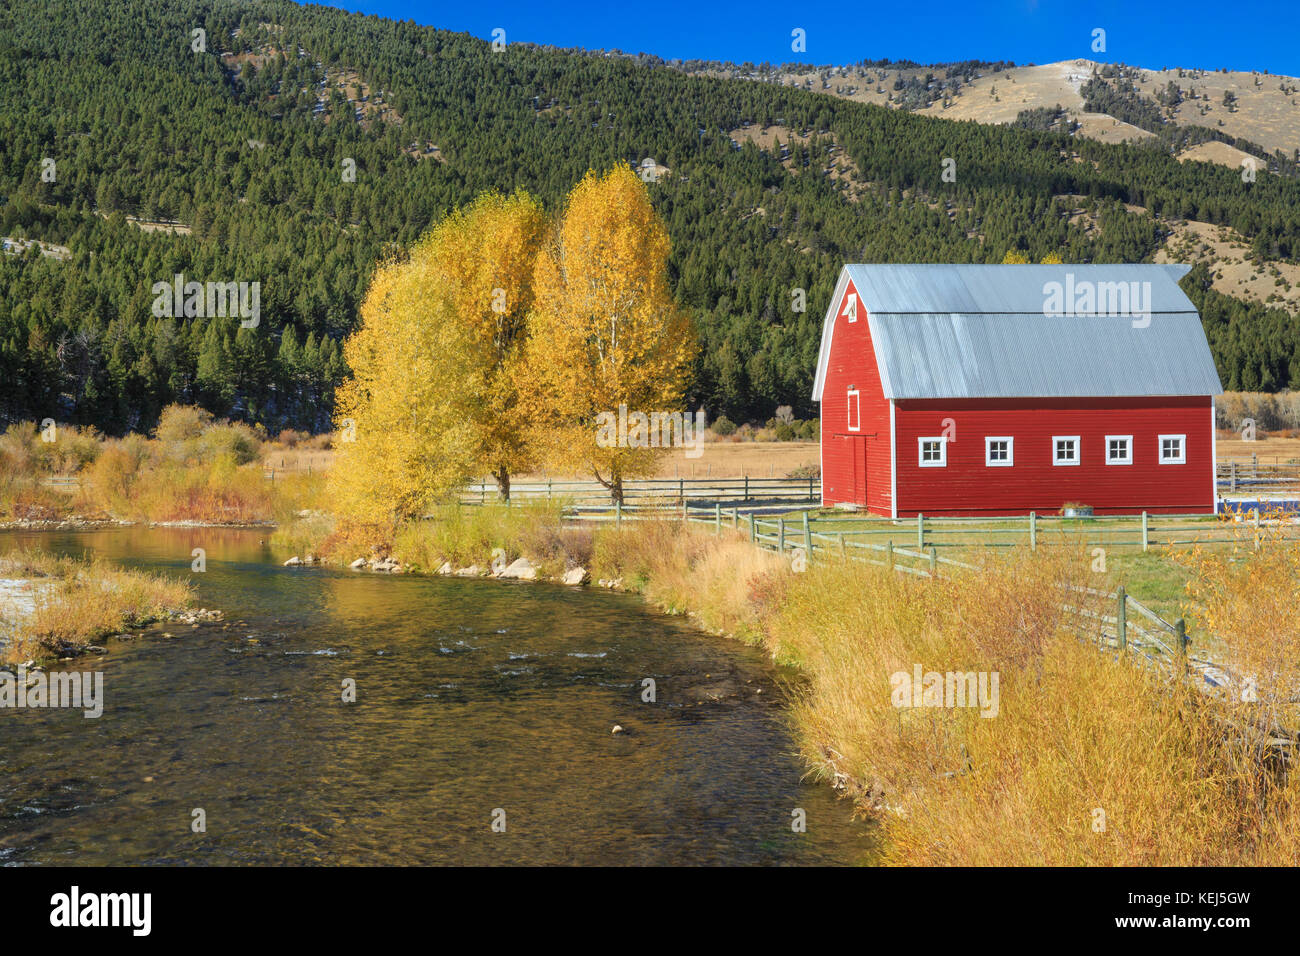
[
  {"x": 1021, "y": 355},
  {"x": 1012, "y": 288},
  {"x": 971, "y": 331}
]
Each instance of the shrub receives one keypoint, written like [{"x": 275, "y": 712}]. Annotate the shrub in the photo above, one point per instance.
[
  {"x": 234, "y": 440},
  {"x": 181, "y": 423},
  {"x": 722, "y": 425}
]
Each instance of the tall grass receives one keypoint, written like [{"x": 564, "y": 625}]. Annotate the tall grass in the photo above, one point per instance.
[
  {"x": 79, "y": 602},
  {"x": 1091, "y": 758},
  {"x": 28, "y": 457}
]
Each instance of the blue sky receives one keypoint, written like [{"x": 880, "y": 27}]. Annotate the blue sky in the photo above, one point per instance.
[{"x": 1194, "y": 33}]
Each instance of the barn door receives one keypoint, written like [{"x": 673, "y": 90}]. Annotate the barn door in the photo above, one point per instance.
[{"x": 859, "y": 469}]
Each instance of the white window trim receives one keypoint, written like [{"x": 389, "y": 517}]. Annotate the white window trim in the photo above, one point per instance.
[
  {"x": 943, "y": 452},
  {"x": 1011, "y": 451},
  {"x": 1119, "y": 461},
  {"x": 1078, "y": 449},
  {"x": 854, "y": 403},
  {"x": 1182, "y": 450}
]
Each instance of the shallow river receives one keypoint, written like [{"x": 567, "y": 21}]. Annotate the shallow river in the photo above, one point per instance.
[{"x": 476, "y": 701}]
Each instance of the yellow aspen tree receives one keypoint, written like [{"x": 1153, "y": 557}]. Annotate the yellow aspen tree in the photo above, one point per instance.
[
  {"x": 604, "y": 331},
  {"x": 430, "y": 403},
  {"x": 486, "y": 255}
]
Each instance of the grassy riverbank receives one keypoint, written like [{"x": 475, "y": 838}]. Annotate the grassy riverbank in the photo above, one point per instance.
[
  {"x": 58, "y": 606},
  {"x": 194, "y": 469},
  {"x": 1090, "y": 758}
]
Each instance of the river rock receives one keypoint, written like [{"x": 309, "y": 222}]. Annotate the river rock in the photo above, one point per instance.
[
  {"x": 618, "y": 729},
  {"x": 358, "y": 564},
  {"x": 472, "y": 571},
  {"x": 574, "y": 576},
  {"x": 446, "y": 568},
  {"x": 522, "y": 569},
  {"x": 293, "y": 562}
]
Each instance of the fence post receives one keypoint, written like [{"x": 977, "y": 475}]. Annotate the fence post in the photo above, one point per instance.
[
  {"x": 920, "y": 531},
  {"x": 684, "y": 511},
  {"x": 810, "y": 488},
  {"x": 844, "y": 554},
  {"x": 1033, "y": 531},
  {"x": 1180, "y": 641},
  {"x": 753, "y": 531},
  {"x": 889, "y": 551},
  {"x": 548, "y": 489},
  {"x": 1256, "y": 523},
  {"x": 807, "y": 537},
  {"x": 618, "y": 514},
  {"x": 735, "y": 516},
  {"x": 1233, "y": 466},
  {"x": 746, "y": 498},
  {"x": 934, "y": 562},
  {"x": 1121, "y": 618},
  {"x": 780, "y": 535},
  {"x": 1146, "y": 536},
  {"x": 717, "y": 517},
  {"x": 681, "y": 488}
]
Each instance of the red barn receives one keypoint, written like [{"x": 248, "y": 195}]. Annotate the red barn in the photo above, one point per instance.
[{"x": 1005, "y": 389}]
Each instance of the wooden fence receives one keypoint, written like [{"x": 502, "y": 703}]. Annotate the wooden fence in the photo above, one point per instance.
[
  {"x": 1250, "y": 474},
  {"x": 922, "y": 537},
  {"x": 745, "y": 489}
]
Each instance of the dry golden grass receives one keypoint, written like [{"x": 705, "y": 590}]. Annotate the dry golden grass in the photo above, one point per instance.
[
  {"x": 84, "y": 601},
  {"x": 1090, "y": 759},
  {"x": 715, "y": 578}
]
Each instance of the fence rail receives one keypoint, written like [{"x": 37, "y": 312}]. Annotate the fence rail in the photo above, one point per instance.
[
  {"x": 882, "y": 535},
  {"x": 1249, "y": 474},
  {"x": 658, "y": 489}
]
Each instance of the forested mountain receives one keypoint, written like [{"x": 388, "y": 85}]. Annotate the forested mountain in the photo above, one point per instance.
[{"x": 248, "y": 142}]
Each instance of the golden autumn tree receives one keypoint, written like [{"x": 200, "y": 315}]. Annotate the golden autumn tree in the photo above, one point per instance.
[
  {"x": 1015, "y": 257},
  {"x": 431, "y": 400},
  {"x": 604, "y": 331}
]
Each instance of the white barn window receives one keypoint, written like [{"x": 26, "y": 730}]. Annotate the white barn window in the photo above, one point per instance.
[
  {"x": 1119, "y": 449},
  {"x": 1173, "y": 449},
  {"x": 932, "y": 452},
  {"x": 999, "y": 451},
  {"x": 1065, "y": 449}
]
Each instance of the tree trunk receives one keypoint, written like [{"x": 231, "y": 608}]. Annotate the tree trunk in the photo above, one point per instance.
[
  {"x": 503, "y": 483},
  {"x": 614, "y": 486}
]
